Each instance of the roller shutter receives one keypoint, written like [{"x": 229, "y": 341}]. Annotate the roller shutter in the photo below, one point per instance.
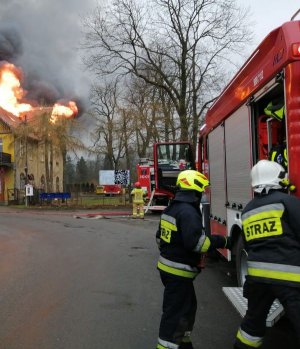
[
  {"x": 238, "y": 157},
  {"x": 216, "y": 173}
]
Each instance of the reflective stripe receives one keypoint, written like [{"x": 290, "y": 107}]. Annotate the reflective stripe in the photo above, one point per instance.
[
  {"x": 274, "y": 153},
  {"x": 251, "y": 341},
  {"x": 169, "y": 219},
  {"x": 274, "y": 271},
  {"x": 203, "y": 244},
  {"x": 263, "y": 222},
  {"x": 262, "y": 209},
  {"x": 175, "y": 268},
  {"x": 166, "y": 345},
  {"x": 167, "y": 226}
]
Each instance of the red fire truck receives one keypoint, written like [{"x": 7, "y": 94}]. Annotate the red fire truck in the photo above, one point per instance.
[
  {"x": 237, "y": 133},
  {"x": 156, "y": 200}
]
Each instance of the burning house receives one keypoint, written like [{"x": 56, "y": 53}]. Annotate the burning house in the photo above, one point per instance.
[{"x": 29, "y": 147}]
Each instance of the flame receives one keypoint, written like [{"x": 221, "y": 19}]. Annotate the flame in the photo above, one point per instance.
[
  {"x": 11, "y": 95},
  {"x": 68, "y": 111},
  {"x": 11, "y": 91}
]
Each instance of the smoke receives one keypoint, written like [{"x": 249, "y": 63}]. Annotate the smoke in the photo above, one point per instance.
[{"x": 43, "y": 37}]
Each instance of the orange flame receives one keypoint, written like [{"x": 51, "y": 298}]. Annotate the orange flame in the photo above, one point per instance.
[
  {"x": 11, "y": 95},
  {"x": 11, "y": 91},
  {"x": 60, "y": 110}
]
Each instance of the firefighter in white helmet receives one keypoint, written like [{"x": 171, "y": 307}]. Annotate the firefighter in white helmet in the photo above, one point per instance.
[
  {"x": 271, "y": 231},
  {"x": 138, "y": 195},
  {"x": 182, "y": 241}
]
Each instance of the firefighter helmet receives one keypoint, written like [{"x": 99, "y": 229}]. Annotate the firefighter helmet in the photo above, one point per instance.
[
  {"x": 137, "y": 184},
  {"x": 267, "y": 175},
  {"x": 192, "y": 180}
]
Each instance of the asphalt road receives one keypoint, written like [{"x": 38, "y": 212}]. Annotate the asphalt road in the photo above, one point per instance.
[{"x": 70, "y": 283}]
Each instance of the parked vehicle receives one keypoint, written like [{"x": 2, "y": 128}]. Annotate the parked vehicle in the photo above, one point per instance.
[{"x": 238, "y": 132}]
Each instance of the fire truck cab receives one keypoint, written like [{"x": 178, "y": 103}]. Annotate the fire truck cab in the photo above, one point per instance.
[{"x": 156, "y": 200}]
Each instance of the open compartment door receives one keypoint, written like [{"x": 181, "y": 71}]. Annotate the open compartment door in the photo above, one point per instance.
[{"x": 169, "y": 160}]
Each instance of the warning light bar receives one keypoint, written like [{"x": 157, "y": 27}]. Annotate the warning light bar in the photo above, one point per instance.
[{"x": 296, "y": 49}]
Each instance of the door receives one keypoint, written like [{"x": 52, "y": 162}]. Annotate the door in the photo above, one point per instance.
[{"x": 2, "y": 185}]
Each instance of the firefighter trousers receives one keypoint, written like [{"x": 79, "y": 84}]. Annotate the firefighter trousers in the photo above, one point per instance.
[
  {"x": 179, "y": 311},
  {"x": 138, "y": 209},
  {"x": 260, "y": 298}
]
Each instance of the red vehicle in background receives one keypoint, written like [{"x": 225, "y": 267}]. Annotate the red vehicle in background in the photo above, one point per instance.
[{"x": 156, "y": 200}]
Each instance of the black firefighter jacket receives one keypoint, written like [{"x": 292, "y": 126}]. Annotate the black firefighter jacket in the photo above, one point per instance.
[
  {"x": 271, "y": 226},
  {"x": 181, "y": 237}
]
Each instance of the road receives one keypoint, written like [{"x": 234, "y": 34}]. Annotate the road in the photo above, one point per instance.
[{"x": 70, "y": 283}]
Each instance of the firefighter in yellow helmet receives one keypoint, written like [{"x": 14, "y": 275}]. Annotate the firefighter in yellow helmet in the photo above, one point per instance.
[
  {"x": 138, "y": 195},
  {"x": 182, "y": 241},
  {"x": 271, "y": 231}
]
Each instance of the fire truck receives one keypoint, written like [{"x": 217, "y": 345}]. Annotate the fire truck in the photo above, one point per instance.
[
  {"x": 237, "y": 133},
  {"x": 156, "y": 200}
]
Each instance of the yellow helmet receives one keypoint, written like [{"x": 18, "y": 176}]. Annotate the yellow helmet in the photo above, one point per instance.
[{"x": 192, "y": 180}]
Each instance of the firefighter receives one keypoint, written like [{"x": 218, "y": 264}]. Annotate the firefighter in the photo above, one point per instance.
[
  {"x": 275, "y": 109},
  {"x": 138, "y": 195},
  {"x": 182, "y": 241},
  {"x": 271, "y": 231},
  {"x": 278, "y": 153}
]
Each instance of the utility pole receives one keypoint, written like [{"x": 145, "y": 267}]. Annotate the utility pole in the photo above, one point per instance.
[{"x": 26, "y": 162}]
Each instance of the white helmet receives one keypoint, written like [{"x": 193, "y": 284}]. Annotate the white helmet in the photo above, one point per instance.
[{"x": 267, "y": 175}]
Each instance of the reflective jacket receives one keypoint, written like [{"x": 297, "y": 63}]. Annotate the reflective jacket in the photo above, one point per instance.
[
  {"x": 181, "y": 237},
  {"x": 275, "y": 109},
  {"x": 279, "y": 154},
  {"x": 138, "y": 195},
  {"x": 271, "y": 227}
]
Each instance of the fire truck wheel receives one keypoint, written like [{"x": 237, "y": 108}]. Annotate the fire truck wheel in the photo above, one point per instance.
[{"x": 241, "y": 261}]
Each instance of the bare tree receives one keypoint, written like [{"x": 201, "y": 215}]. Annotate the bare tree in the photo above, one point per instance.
[
  {"x": 109, "y": 134},
  {"x": 186, "y": 43}
]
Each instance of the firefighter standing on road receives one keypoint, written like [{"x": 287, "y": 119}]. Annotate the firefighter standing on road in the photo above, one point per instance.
[
  {"x": 271, "y": 227},
  {"x": 181, "y": 241},
  {"x": 138, "y": 195}
]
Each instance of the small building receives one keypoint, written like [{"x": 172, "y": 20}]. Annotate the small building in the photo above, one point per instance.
[{"x": 25, "y": 159}]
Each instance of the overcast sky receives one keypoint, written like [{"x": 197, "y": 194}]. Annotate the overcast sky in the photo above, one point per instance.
[
  {"x": 43, "y": 37},
  {"x": 269, "y": 14}
]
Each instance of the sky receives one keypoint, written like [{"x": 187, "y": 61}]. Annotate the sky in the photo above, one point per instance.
[
  {"x": 43, "y": 37},
  {"x": 269, "y": 14}
]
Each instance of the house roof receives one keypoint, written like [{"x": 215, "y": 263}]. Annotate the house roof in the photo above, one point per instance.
[
  {"x": 9, "y": 119},
  {"x": 13, "y": 121}
]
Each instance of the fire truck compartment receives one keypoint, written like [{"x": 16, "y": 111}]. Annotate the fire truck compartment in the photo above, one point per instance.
[{"x": 235, "y": 296}]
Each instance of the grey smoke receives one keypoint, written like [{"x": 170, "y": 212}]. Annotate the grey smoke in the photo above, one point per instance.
[
  {"x": 43, "y": 38},
  {"x": 10, "y": 43}
]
